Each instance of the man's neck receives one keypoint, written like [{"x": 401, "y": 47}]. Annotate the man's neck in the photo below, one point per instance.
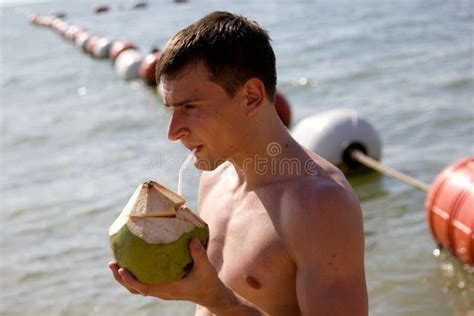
[{"x": 270, "y": 157}]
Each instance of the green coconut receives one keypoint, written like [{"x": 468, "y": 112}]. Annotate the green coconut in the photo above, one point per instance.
[{"x": 151, "y": 236}]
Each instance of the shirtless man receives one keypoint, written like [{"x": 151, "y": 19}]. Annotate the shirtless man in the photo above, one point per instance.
[{"x": 286, "y": 233}]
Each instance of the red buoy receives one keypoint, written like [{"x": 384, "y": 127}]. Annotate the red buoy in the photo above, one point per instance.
[
  {"x": 450, "y": 209},
  {"x": 147, "y": 68},
  {"x": 118, "y": 47},
  {"x": 93, "y": 40},
  {"x": 283, "y": 108}
]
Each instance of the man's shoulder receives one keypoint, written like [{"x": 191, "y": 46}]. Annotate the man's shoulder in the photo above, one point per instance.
[
  {"x": 320, "y": 207},
  {"x": 326, "y": 184},
  {"x": 316, "y": 196}
]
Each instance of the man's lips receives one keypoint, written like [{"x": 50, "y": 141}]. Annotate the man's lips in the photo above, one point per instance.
[{"x": 197, "y": 148}]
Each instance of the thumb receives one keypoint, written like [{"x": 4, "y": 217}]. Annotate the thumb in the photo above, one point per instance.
[{"x": 198, "y": 253}]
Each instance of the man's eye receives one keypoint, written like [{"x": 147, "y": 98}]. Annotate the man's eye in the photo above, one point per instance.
[{"x": 189, "y": 106}]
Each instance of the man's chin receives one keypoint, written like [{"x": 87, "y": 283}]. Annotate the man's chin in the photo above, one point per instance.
[{"x": 207, "y": 164}]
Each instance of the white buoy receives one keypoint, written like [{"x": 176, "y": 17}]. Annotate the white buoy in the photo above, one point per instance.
[
  {"x": 55, "y": 22},
  {"x": 71, "y": 31},
  {"x": 330, "y": 134},
  {"x": 127, "y": 64},
  {"x": 61, "y": 27},
  {"x": 102, "y": 47},
  {"x": 81, "y": 40}
]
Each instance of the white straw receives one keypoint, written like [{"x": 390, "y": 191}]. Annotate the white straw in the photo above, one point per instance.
[{"x": 181, "y": 171}]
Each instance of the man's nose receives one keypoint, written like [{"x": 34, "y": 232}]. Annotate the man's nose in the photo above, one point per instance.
[{"x": 177, "y": 128}]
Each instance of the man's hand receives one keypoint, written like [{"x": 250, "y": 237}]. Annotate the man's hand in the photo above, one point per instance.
[{"x": 201, "y": 285}]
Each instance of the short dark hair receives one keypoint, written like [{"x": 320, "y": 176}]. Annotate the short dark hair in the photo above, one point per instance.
[{"x": 232, "y": 47}]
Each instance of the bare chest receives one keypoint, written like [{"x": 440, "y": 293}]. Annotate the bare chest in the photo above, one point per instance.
[{"x": 249, "y": 254}]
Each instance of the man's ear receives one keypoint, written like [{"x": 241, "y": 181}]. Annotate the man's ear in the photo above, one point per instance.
[{"x": 254, "y": 93}]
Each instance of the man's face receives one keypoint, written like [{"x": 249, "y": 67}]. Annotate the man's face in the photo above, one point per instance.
[{"x": 204, "y": 117}]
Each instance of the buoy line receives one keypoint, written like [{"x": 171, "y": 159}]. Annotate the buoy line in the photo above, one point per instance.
[
  {"x": 341, "y": 136},
  {"x": 348, "y": 140},
  {"x": 362, "y": 158},
  {"x": 128, "y": 62}
]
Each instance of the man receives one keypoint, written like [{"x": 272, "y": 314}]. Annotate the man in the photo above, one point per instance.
[{"x": 286, "y": 233}]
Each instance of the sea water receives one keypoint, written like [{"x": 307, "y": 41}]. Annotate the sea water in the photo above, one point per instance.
[{"x": 76, "y": 140}]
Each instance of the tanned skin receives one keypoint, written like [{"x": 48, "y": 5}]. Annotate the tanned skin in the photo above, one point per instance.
[{"x": 282, "y": 242}]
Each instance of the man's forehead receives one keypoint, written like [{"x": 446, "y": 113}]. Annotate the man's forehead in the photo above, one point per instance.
[
  {"x": 190, "y": 74},
  {"x": 191, "y": 84},
  {"x": 179, "y": 92}
]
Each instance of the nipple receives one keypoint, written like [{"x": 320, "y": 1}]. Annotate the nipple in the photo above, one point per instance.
[{"x": 253, "y": 282}]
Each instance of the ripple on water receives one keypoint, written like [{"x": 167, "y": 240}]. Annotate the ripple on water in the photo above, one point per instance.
[{"x": 76, "y": 141}]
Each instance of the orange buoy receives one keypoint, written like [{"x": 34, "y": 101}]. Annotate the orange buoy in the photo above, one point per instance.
[
  {"x": 283, "y": 108},
  {"x": 450, "y": 209},
  {"x": 147, "y": 68},
  {"x": 118, "y": 47}
]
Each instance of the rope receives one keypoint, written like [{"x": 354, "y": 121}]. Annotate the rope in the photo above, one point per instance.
[{"x": 374, "y": 164}]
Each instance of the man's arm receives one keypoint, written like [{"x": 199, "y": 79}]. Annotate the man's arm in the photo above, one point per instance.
[
  {"x": 326, "y": 240},
  {"x": 201, "y": 286}
]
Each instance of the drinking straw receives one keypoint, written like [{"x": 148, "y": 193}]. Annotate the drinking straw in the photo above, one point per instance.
[{"x": 181, "y": 171}]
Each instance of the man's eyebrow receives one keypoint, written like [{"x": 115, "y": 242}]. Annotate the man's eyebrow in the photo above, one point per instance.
[{"x": 183, "y": 102}]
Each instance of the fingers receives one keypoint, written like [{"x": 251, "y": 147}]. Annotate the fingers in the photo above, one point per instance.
[
  {"x": 114, "y": 267},
  {"x": 118, "y": 277},
  {"x": 174, "y": 290},
  {"x": 163, "y": 291},
  {"x": 132, "y": 283}
]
